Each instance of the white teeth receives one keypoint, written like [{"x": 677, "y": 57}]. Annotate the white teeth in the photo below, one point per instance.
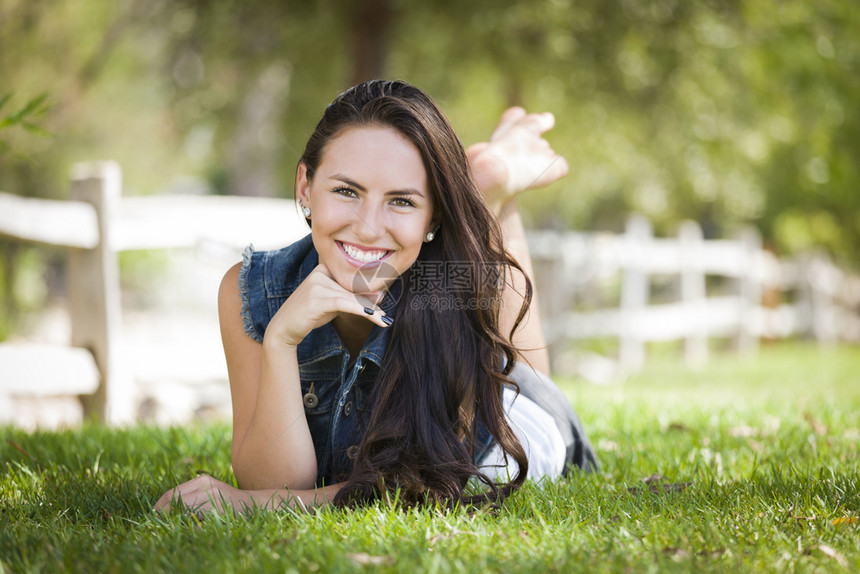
[{"x": 364, "y": 256}]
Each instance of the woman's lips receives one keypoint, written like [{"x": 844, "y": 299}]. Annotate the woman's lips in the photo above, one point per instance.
[{"x": 355, "y": 262}]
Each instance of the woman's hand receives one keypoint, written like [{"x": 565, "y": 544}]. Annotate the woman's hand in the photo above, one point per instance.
[
  {"x": 516, "y": 158},
  {"x": 203, "y": 495},
  {"x": 317, "y": 301}
]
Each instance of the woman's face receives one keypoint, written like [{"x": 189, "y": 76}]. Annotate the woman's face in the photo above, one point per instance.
[{"x": 371, "y": 206}]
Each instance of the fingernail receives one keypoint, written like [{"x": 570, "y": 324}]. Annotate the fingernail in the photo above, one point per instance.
[
  {"x": 368, "y": 310},
  {"x": 387, "y": 320}
]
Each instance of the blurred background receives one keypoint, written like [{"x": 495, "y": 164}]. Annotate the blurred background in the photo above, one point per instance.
[{"x": 725, "y": 113}]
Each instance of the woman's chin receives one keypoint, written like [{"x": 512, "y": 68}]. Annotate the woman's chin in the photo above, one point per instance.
[
  {"x": 367, "y": 280},
  {"x": 357, "y": 284}
]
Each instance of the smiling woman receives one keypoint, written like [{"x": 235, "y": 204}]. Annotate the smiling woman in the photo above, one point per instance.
[{"x": 393, "y": 349}]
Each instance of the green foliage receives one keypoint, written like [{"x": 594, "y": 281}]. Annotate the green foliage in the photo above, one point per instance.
[
  {"x": 764, "y": 452},
  {"x": 26, "y": 116},
  {"x": 29, "y": 117}
]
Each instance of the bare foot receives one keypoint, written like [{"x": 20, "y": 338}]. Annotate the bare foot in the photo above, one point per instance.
[{"x": 516, "y": 158}]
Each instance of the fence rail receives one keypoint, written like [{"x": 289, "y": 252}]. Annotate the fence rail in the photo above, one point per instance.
[
  {"x": 155, "y": 222},
  {"x": 814, "y": 297}
]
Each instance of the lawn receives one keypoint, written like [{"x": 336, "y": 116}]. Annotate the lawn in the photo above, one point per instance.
[{"x": 750, "y": 464}]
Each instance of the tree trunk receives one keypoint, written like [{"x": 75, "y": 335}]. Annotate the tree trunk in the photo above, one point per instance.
[{"x": 371, "y": 24}]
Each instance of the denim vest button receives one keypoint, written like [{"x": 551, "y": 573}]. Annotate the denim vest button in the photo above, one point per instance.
[
  {"x": 352, "y": 452},
  {"x": 310, "y": 400},
  {"x": 347, "y": 408}
]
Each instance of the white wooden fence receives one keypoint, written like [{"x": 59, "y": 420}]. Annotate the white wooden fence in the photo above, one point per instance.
[
  {"x": 806, "y": 296},
  {"x": 95, "y": 225},
  {"x": 98, "y": 223}
]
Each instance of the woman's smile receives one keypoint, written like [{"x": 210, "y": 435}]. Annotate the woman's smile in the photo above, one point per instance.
[{"x": 363, "y": 257}]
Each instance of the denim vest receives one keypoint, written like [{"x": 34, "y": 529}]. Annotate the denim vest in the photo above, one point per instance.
[{"x": 335, "y": 396}]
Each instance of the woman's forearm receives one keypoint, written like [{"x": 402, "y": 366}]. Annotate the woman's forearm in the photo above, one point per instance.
[
  {"x": 277, "y": 450},
  {"x": 281, "y": 499}
]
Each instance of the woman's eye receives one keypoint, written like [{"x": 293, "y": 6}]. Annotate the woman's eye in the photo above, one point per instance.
[
  {"x": 401, "y": 202},
  {"x": 345, "y": 191}
]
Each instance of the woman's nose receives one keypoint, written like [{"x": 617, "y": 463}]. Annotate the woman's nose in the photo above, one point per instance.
[{"x": 370, "y": 221}]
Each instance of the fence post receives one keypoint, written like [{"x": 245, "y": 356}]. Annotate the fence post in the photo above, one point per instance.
[
  {"x": 634, "y": 292},
  {"x": 823, "y": 280},
  {"x": 94, "y": 298},
  {"x": 693, "y": 292},
  {"x": 850, "y": 292},
  {"x": 749, "y": 290}
]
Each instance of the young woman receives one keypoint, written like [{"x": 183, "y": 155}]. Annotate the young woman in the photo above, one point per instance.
[{"x": 393, "y": 349}]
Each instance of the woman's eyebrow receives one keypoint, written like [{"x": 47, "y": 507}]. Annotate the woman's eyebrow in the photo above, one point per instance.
[{"x": 405, "y": 191}]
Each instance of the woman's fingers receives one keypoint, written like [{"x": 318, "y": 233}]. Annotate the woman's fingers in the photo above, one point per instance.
[
  {"x": 368, "y": 303},
  {"x": 163, "y": 504},
  {"x": 318, "y": 300},
  {"x": 342, "y": 301},
  {"x": 517, "y": 118},
  {"x": 540, "y": 123},
  {"x": 202, "y": 494},
  {"x": 184, "y": 494},
  {"x": 509, "y": 118},
  {"x": 372, "y": 297},
  {"x": 181, "y": 495}
]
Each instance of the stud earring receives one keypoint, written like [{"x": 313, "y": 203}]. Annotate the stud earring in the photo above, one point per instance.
[
  {"x": 306, "y": 211},
  {"x": 431, "y": 235}
]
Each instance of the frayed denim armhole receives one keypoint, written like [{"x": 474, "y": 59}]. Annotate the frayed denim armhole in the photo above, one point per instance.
[{"x": 245, "y": 292}]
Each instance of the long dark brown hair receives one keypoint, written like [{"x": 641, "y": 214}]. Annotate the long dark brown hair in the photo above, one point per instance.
[{"x": 443, "y": 371}]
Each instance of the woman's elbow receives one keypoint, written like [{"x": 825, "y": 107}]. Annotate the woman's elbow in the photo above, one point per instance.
[{"x": 292, "y": 477}]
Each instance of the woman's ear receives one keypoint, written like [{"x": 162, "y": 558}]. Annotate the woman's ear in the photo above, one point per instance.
[{"x": 303, "y": 185}]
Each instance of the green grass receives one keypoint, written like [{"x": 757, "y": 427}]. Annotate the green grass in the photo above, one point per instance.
[{"x": 769, "y": 446}]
